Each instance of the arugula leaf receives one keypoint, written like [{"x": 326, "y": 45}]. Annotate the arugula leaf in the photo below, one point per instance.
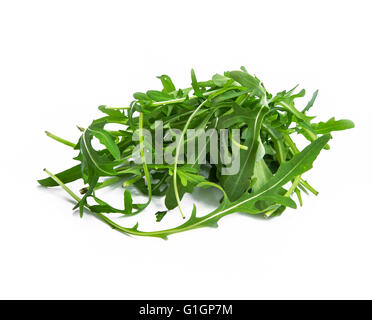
[
  {"x": 160, "y": 215},
  {"x": 219, "y": 80},
  {"x": 246, "y": 80},
  {"x": 158, "y": 95},
  {"x": 195, "y": 85},
  {"x": 332, "y": 125},
  {"x": 236, "y": 185},
  {"x": 96, "y": 130},
  {"x": 311, "y": 102},
  {"x": 167, "y": 82},
  {"x": 115, "y": 113},
  {"x": 66, "y": 176},
  {"x": 93, "y": 165}
]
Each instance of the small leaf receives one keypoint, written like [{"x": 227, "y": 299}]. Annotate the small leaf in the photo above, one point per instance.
[
  {"x": 220, "y": 80},
  {"x": 111, "y": 112},
  {"x": 168, "y": 85},
  {"x": 311, "y": 102},
  {"x": 141, "y": 96},
  {"x": 96, "y": 129},
  {"x": 332, "y": 125},
  {"x": 195, "y": 85},
  {"x": 158, "y": 95},
  {"x": 160, "y": 215},
  {"x": 246, "y": 80}
]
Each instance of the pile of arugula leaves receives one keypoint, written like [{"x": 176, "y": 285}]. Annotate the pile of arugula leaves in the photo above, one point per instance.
[{"x": 269, "y": 158}]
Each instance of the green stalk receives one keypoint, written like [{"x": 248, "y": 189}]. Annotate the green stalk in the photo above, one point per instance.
[
  {"x": 129, "y": 182},
  {"x": 73, "y": 195},
  {"x": 112, "y": 224},
  {"x": 108, "y": 182},
  {"x": 117, "y": 108},
  {"x": 293, "y": 187},
  {"x": 61, "y": 140},
  {"x": 296, "y": 181},
  {"x": 292, "y": 146},
  {"x": 180, "y": 100},
  {"x": 309, "y": 187},
  {"x": 178, "y": 149},
  {"x": 144, "y": 164}
]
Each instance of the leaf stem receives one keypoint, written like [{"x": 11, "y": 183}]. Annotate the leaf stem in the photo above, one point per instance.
[
  {"x": 294, "y": 151},
  {"x": 68, "y": 190},
  {"x": 295, "y": 183},
  {"x": 178, "y": 149},
  {"x": 309, "y": 187},
  {"x": 61, "y": 140},
  {"x": 290, "y": 144},
  {"x": 107, "y": 182},
  {"x": 144, "y": 164},
  {"x": 293, "y": 187},
  {"x": 112, "y": 224},
  {"x": 117, "y": 108},
  {"x": 129, "y": 182},
  {"x": 180, "y": 100}
]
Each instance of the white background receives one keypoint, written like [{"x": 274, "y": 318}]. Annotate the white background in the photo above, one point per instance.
[{"x": 62, "y": 59}]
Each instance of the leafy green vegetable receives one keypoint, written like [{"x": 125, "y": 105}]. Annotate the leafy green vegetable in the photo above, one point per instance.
[{"x": 268, "y": 159}]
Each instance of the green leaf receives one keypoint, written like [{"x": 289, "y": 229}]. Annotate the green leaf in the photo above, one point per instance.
[
  {"x": 195, "y": 85},
  {"x": 115, "y": 113},
  {"x": 168, "y": 85},
  {"x": 104, "y": 207},
  {"x": 229, "y": 95},
  {"x": 66, "y": 176},
  {"x": 160, "y": 215},
  {"x": 170, "y": 198},
  {"x": 262, "y": 174},
  {"x": 96, "y": 130},
  {"x": 93, "y": 165},
  {"x": 158, "y": 95},
  {"x": 332, "y": 125},
  {"x": 235, "y": 185},
  {"x": 220, "y": 80},
  {"x": 141, "y": 96},
  {"x": 311, "y": 102},
  {"x": 286, "y": 99},
  {"x": 189, "y": 177},
  {"x": 238, "y": 115},
  {"x": 246, "y": 80}
]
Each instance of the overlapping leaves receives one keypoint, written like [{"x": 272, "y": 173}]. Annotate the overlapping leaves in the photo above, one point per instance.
[{"x": 269, "y": 157}]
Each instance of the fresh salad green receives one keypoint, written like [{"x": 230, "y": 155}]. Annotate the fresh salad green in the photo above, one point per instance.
[{"x": 270, "y": 163}]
